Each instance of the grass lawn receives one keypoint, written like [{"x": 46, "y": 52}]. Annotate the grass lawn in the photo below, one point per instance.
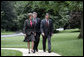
[
  {"x": 65, "y": 44},
  {"x": 70, "y": 30},
  {"x": 7, "y": 32},
  {"x": 10, "y": 53}
]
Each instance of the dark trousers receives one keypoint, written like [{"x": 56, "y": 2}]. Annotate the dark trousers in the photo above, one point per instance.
[
  {"x": 36, "y": 42},
  {"x": 49, "y": 42}
]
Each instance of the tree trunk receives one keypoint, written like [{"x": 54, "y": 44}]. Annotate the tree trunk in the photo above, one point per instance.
[{"x": 81, "y": 29}]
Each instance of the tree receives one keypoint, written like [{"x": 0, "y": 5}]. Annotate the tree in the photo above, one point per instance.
[
  {"x": 59, "y": 12},
  {"x": 7, "y": 15},
  {"x": 81, "y": 30},
  {"x": 76, "y": 19}
]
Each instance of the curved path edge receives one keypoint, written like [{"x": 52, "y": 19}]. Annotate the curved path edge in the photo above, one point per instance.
[{"x": 39, "y": 53}]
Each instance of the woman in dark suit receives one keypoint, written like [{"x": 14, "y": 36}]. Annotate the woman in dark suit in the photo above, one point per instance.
[{"x": 29, "y": 31}]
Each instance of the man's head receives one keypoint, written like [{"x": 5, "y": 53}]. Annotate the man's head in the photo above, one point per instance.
[
  {"x": 47, "y": 16},
  {"x": 34, "y": 14}
]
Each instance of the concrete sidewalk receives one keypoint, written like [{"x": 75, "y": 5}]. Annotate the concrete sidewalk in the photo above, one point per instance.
[
  {"x": 39, "y": 53},
  {"x": 11, "y": 35}
]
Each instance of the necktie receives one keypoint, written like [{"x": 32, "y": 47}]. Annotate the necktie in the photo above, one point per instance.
[
  {"x": 47, "y": 22},
  {"x": 31, "y": 23},
  {"x": 35, "y": 21}
]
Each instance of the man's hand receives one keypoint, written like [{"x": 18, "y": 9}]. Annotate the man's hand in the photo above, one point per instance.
[
  {"x": 24, "y": 35},
  {"x": 34, "y": 34},
  {"x": 43, "y": 34},
  {"x": 51, "y": 34}
]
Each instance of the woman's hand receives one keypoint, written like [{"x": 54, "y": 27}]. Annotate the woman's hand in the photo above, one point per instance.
[{"x": 34, "y": 33}]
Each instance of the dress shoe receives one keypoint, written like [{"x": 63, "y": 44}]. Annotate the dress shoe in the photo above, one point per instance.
[
  {"x": 44, "y": 50},
  {"x": 49, "y": 51},
  {"x": 33, "y": 51},
  {"x": 37, "y": 50},
  {"x": 29, "y": 52}
]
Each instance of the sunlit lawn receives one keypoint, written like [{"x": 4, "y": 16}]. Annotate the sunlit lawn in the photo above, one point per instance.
[
  {"x": 5, "y": 52},
  {"x": 65, "y": 44}
]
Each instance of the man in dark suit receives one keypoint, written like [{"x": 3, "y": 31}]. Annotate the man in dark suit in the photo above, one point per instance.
[
  {"x": 37, "y": 22},
  {"x": 46, "y": 30}
]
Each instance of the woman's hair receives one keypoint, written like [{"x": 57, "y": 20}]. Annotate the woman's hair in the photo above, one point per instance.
[{"x": 29, "y": 14}]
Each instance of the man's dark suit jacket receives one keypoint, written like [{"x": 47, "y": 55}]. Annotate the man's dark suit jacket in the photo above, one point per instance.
[
  {"x": 37, "y": 25},
  {"x": 47, "y": 30}
]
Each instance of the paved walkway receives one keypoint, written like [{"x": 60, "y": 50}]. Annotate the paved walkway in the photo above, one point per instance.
[
  {"x": 39, "y": 53},
  {"x": 25, "y": 51},
  {"x": 16, "y": 34}
]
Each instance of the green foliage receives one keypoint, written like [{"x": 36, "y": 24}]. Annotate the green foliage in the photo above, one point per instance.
[
  {"x": 7, "y": 15},
  {"x": 59, "y": 11},
  {"x": 20, "y": 20},
  {"x": 75, "y": 19}
]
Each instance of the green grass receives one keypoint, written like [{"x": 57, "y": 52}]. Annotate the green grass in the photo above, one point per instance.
[
  {"x": 70, "y": 30},
  {"x": 65, "y": 44},
  {"x": 5, "y": 52},
  {"x": 13, "y": 42},
  {"x": 7, "y": 32}
]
